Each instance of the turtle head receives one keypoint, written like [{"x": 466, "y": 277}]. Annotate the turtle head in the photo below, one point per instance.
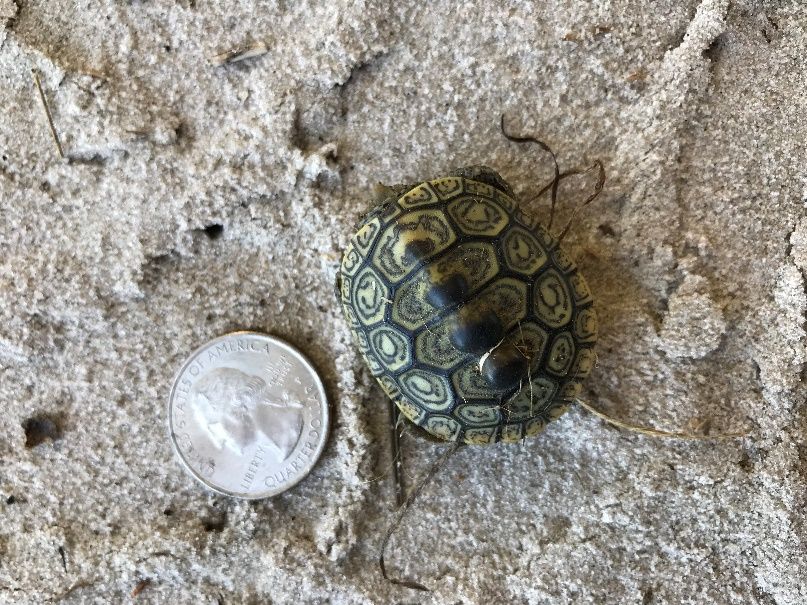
[{"x": 485, "y": 174}]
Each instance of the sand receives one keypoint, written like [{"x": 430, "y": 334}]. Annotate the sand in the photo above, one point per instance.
[{"x": 197, "y": 199}]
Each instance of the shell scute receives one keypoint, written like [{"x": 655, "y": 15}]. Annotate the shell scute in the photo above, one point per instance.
[
  {"x": 553, "y": 303},
  {"x": 391, "y": 258},
  {"x": 476, "y": 215},
  {"x": 422, "y": 195}
]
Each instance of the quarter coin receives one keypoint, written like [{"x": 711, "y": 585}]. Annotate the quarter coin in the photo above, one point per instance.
[{"x": 248, "y": 415}]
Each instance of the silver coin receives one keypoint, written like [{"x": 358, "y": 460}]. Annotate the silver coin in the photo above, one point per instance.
[{"x": 248, "y": 415}]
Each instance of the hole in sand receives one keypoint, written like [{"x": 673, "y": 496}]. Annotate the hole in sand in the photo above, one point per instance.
[{"x": 40, "y": 429}]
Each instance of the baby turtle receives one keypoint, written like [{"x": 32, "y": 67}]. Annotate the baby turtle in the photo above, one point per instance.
[{"x": 470, "y": 315}]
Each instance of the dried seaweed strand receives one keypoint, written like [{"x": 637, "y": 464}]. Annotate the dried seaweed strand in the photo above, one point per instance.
[
  {"x": 556, "y": 169},
  {"x": 557, "y": 178},
  {"x": 597, "y": 190},
  {"x": 436, "y": 466}
]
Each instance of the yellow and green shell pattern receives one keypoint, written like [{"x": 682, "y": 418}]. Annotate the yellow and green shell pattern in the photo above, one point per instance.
[{"x": 467, "y": 312}]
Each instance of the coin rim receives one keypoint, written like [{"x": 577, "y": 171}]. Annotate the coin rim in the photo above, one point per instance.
[{"x": 325, "y": 407}]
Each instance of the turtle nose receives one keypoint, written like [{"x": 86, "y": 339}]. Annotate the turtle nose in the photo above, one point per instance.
[{"x": 504, "y": 367}]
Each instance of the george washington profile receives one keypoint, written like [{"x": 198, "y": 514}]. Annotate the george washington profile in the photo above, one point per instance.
[{"x": 237, "y": 411}]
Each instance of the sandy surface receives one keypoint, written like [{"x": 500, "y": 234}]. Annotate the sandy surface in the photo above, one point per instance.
[{"x": 696, "y": 253}]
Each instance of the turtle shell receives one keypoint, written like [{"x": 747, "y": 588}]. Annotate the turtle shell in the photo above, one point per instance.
[{"x": 466, "y": 310}]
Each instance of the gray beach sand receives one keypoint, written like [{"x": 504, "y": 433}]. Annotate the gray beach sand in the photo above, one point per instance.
[{"x": 113, "y": 269}]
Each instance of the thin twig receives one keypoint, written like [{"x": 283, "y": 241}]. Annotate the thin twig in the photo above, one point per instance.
[
  {"x": 140, "y": 587},
  {"x": 55, "y": 136},
  {"x": 644, "y": 430},
  {"x": 239, "y": 53},
  {"x": 396, "y": 454},
  {"x": 64, "y": 559}
]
